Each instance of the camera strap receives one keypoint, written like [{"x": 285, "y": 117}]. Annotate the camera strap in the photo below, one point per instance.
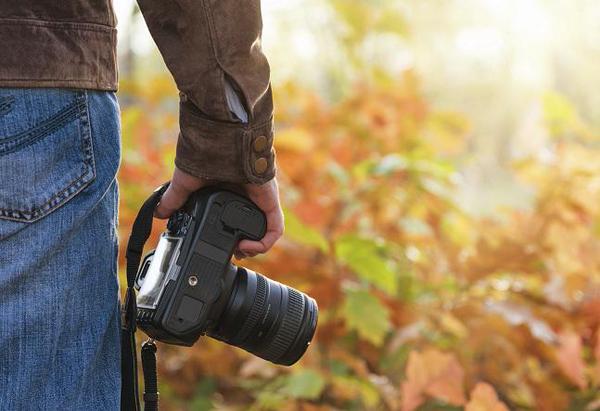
[{"x": 140, "y": 232}]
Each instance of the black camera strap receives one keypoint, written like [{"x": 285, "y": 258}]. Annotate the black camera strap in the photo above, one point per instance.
[{"x": 142, "y": 228}]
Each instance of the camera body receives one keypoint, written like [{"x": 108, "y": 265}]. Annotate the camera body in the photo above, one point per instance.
[
  {"x": 188, "y": 286},
  {"x": 190, "y": 282}
]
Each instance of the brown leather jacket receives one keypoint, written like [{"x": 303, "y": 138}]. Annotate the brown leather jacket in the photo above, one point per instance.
[{"x": 205, "y": 43}]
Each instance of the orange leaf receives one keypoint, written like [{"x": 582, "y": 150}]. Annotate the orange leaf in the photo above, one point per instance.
[
  {"x": 569, "y": 358},
  {"x": 597, "y": 354},
  {"x": 433, "y": 373},
  {"x": 411, "y": 396},
  {"x": 484, "y": 398}
]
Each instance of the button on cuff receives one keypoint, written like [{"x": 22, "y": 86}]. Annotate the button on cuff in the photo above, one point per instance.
[
  {"x": 225, "y": 152},
  {"x": 259, "y": 155},
  {"x": 260, "y": 143},
  {"x": 260, "y": 165}
]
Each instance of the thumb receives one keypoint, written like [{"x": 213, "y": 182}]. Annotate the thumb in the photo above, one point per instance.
[
  {"x": 171, "y": 201},
  {"x": 182, "y": 185}
]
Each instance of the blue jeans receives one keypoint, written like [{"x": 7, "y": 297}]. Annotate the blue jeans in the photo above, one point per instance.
[{"x": 59, "y": 310}]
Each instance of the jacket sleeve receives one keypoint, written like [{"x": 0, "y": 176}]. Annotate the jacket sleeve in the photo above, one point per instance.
[{"x": 206, "y": 44}]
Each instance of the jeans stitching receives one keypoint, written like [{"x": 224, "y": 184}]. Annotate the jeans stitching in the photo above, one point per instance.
[
  {"x": 76, "y": 185},
  {"x": 39, "y": 132}
]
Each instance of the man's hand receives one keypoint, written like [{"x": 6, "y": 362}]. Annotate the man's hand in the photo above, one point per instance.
[{"x": 265, "y": 196}]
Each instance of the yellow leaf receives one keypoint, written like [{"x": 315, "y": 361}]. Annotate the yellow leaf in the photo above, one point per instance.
[
  {"x": 294, "y": 139},
  {"x": 453, "y": 325}
]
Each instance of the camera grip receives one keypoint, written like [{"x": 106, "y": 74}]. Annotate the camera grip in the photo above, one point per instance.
[{"x": 225, "y": 219}]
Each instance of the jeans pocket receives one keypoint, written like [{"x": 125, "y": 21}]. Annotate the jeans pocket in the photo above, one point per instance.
[{"x": 46, "y": 153}]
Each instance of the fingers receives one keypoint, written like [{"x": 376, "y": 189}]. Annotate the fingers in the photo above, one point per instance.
[
  {"x": 275, "y": 227},
  {"x": 182, "y": 185},
  {"x": 266, "y": 197},
  {"x": 252, "y": 248},
  {"x": 240, "y": 256},
  {"x": 170, "y": 202}
]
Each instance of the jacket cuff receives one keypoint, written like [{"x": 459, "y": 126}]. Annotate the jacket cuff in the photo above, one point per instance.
[{"x": 223, "y": 151}]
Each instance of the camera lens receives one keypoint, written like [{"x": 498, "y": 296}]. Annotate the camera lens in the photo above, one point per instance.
[{"x": 267, "y": 318}]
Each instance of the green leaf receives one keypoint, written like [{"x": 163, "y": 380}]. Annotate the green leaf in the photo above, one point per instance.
[
  {"x": 395, "y": 162},
  {"x": 364, "y": 18},
  {"x": 202, "y": 399},
  {"x": 366, "y": 258},
  {"x": 356, "y": 14},
  {"x": 415, "y": 227},
  {"x": 433, "y": 405},
  {"x": 364, "y": 313},
  {"x": 559, "y": 113},
  {"x": 338, "y": 367},
  {"x": 304, "y": 384},
  {"x": 268, "y": 400},
  {"x": 391, "y": 163},
  {"x": 361, "y": 388},
  {"x": 392, "y": 22},
  {"x": 301, "y": 233}
]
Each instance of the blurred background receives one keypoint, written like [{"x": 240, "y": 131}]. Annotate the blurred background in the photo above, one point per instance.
[{"x": 439, "y": 168}]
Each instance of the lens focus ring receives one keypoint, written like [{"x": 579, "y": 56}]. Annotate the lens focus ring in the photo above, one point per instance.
[
  {"x": 255, "y": 312},
  {"x": 288, "y": 331},
  {"x": 267, "y": 318}
]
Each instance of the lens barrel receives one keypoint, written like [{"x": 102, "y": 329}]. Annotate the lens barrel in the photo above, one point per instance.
[{"x": 267, "y": 318}]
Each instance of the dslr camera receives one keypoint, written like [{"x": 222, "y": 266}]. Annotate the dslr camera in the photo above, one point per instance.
[{"x": 188, "y": 286}]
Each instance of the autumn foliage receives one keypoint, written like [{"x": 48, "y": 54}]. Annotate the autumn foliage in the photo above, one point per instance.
[{"x": 422, "y": 306}]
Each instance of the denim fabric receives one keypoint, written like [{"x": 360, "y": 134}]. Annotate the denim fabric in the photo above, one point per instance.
[{"x": 59, "y": 311}]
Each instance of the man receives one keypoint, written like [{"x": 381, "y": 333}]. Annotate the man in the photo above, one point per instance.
[{"x": 59, "y": 154}]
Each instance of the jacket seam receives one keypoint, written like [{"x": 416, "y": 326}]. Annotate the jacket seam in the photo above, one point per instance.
[
  {"x": 190, "y": 166},
  {"x": 213, "y": 31},
  {"x": 61, "y": 24},
  {"x": 213, "y": 38},
  {"x": 81, "y": 83},
  {"x": 112, "y": 18},
  {"x": 60, "y": 80},
  {"x": 232, "y": 126}
]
